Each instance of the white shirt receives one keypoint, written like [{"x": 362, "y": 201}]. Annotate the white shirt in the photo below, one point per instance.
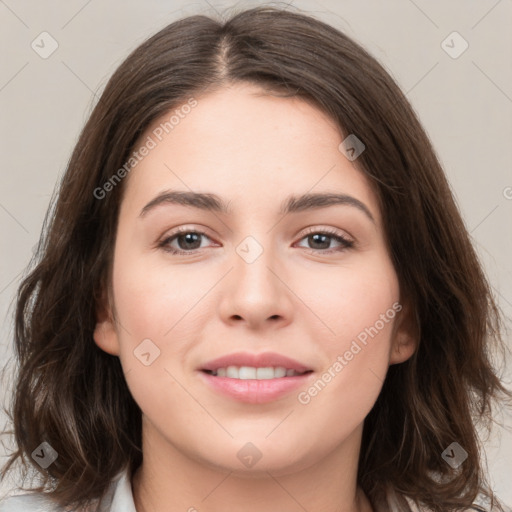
[{"x": 119, "y": 498}]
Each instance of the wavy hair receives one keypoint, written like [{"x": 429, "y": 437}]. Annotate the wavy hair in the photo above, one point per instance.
[{"x": 73, "y": 395}]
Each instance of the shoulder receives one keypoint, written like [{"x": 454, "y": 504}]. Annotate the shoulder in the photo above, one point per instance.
[
  {"x": 118, "y": 498},
  {"x": 481, "y": 505},
  {"x": 473, "y": 508},
  {"x": 396, "y": 502},
  {"x": 33, "y": 502}
]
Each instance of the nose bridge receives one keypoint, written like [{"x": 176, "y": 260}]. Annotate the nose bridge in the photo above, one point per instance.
[
  {"x": 254, "y": 290},
  {"x": 255, "y": 257}
]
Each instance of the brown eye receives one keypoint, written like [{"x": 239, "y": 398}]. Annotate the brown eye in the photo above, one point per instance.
[
  {"x": 188, "y": 241},
  {"x": 321, "y": 240}
]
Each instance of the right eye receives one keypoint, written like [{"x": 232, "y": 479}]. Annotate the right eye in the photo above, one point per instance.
[{"x": 183, "y": 237}]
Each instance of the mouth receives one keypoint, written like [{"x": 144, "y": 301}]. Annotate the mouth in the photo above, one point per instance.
[
  {"x": 254, "y": 378},
  {"x": 256, "y": 385},
  {"x": 255, "y": 373},
  {"x": 246, "y": 365}
]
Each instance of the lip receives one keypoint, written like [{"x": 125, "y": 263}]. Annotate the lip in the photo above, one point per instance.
[
  {"x": 254, "y": 391},
  {"x": 262, "y": 360}
]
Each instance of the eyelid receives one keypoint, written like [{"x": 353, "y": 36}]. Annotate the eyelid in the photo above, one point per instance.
[
  {"x": 164, "y": 240},
  {"x": 187, "y": 229},
  {"x": 311, "y": 229},
  {"x": 327, "y": 230},
  {"x": 346, "y": 242}
]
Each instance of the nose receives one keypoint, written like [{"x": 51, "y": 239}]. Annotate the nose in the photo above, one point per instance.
[{"x": 255, "y": 293}]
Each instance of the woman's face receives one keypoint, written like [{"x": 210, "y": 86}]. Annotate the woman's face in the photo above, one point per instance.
[{"x": 255, "y": 281}]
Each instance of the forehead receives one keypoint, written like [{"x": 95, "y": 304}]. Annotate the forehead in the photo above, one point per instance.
[{"x": 248, "y": 147}]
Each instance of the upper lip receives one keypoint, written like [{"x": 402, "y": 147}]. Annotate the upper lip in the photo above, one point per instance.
[{"x": 262, "y": 360}]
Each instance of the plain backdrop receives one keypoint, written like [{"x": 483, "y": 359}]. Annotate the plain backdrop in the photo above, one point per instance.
[{"x": 460, "y": 85}]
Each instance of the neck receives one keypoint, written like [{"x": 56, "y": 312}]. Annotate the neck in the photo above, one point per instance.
[{"x": 169, "y": 480}]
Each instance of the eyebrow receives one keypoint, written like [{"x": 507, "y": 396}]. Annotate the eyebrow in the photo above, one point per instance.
[{"x": 292, "y": 204}]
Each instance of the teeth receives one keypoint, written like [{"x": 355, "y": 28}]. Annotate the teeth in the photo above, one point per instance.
[{"x": 249, "y": 372}]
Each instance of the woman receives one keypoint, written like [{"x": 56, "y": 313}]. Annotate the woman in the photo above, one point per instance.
[{"x": 325, "y": 341}]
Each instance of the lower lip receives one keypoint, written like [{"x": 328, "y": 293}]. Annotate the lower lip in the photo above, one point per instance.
[{"x": 254, "y": 391}]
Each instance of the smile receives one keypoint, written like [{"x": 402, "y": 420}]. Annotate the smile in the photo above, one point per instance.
[{"x": 251, "y": 372}]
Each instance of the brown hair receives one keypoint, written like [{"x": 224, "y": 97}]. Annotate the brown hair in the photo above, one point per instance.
[{"x": 73, "y": 395}]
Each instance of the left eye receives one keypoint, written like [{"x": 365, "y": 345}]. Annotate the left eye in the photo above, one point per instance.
[
  {"x": 184, "y": 239},
  {"x": 189, "y": 241},
  {"x": 325, "y": 237}
]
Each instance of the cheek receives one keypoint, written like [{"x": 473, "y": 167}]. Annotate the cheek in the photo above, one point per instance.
[
  {"x": 160, "y": 315},
  {"x": 147, "y": 308},
  {"x": 351, "y": 298},
  {"x": 151, "y": 298},
  {"x": 360, "y": 307}
]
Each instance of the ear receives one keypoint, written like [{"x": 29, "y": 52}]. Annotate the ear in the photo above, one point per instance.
[
  {"x": 105, "y": 333},
  {"x": 405, "y": 336}
]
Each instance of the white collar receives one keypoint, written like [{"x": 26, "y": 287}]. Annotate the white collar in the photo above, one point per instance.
[{"x": 120, "y": 496}]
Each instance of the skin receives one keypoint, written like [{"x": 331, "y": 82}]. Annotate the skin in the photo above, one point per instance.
[{"x": 253, "y": 150}]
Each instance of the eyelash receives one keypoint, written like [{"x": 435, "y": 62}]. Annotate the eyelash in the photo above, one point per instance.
[{"x": 346, "y": 243}]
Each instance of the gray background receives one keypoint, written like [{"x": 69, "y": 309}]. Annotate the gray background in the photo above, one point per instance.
[{"x": 464, "y": 102}]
